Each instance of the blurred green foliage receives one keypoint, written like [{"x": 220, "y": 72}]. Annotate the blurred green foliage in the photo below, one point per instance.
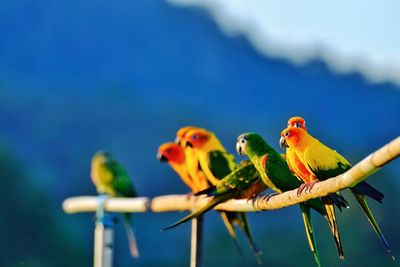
[{"x": 30, "y": 234}]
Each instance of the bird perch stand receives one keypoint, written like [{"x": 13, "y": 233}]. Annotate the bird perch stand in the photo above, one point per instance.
[{"x": 169, "y": 203}]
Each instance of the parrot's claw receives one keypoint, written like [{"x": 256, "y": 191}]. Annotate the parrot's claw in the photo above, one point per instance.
[
  {"x": 306, "y": 187},
  {"x": 268, "y": 197},
  {"x": 309, "y": 186},
  {"x": 301, "y": 189}
]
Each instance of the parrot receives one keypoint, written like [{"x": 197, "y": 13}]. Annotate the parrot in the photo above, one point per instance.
[
  {"x": 111, "y": 178},
  {"x": 210, "y": 153},
  {"x": 301, "y": 172},
  {"x": 276, "y": 174},
  {"x": 199, "y": 179},
  {"x": 174, "y": 154},
  {"x": 322, "y": 163},
  {"x": 243, "y": 182},
  {"x": 216, "y": 163}
]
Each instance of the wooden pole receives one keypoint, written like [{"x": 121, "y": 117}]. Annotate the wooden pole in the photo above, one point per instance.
[{"x": 196, "y": 244}]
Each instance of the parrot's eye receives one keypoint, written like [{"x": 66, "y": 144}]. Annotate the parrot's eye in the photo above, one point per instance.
[
  {"x": 243, "y": 141},
  {"x": 297, "y": 125},
  {"x": 168, "y": 150},
  {"x": 287, "y": 134},
  {"x": 195, "y": 137}
]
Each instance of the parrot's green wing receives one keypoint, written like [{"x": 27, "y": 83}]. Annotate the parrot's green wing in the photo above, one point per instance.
[
  {"x": 325, "y": 173},
  {"x": 240, "y": 179},
  {"x": 279, "y": 172},
  {"x": 226, "y": 189},
  {"x": 220, "y": 163},
  {"x": 231, "y": 186},
  {"x": 121, "y": 182}
]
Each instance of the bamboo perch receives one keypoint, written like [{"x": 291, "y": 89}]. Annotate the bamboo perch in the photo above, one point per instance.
[{"x": 168, "y": 203}]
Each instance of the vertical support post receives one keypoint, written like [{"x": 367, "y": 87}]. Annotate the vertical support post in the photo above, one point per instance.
[
  {"x": 196, "y": 243},
  {"x": 103, "y": 237}
]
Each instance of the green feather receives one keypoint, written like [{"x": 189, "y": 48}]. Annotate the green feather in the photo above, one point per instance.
[
  {"x": 231, "y": 186},
  {"x": 276, "y": 172},
  {"x": 220, "y": 163},
  {"x": 121, "y": 182}
]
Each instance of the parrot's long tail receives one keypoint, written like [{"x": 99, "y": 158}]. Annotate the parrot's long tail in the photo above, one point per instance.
[
  {"x": 368, "y": 190},
  {"x": 131, "y": 236},
  {"x": 214, "y": 202},
  {"x": 229, "y": 219},
  {"x": 363, "y": 203},
  {"x": 330, "y": 212},
  {"x": 208, "y": 191},
  {"x": 245, "y": 226},
  {"x": 339, "y": 201},
  {"x": 306, "y": 213}
]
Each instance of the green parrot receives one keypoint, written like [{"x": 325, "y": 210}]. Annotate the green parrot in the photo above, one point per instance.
[
  {"x": 275, "y": 173},
  {"x": 243, "y": 182},
  {"x": 216, "y": 163},
  {"x": 111, "y": 178}
]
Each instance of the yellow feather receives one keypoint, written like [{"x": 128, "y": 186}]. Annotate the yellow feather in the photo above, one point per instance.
[
  {"x": 212, "y": 144},
  {"x": 192, "y": 166},
  {"x": 316, "y": 155}
]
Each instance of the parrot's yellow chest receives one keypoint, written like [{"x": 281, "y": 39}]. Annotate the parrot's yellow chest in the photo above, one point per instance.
[{"x": 102, "y": 178}]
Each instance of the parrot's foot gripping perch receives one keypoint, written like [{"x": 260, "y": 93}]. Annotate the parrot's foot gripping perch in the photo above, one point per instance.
[
  {"x": 268, "y": 197},
  {"x": 306, "y": 187}
]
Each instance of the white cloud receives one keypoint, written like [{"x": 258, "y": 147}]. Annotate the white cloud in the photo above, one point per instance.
[{"x": 349, "y": 36}]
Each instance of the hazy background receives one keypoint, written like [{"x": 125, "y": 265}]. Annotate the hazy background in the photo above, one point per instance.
[{"x": 78, "y": 76}]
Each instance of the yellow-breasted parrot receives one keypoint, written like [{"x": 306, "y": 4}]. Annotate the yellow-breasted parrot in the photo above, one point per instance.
[
  {"x": 243, "y": 182},
  {"x": 300, "y": 171},
  {"x": 275, "y": 173},
  {"x": 111, "y": 178},
  {"x": 199, "y": 179},
  {"x": 213, "y": 158},
  {"x": 323, "y": 163}
]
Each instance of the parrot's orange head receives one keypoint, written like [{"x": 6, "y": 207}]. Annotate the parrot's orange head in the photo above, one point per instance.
[
  {"x": 197, "y": 138},
  {"x": 171, "y": 152},
  {"x": 291, "y": 136},
  {"x": 180, "y": 135},
  {"x": 298, "y": 122}
]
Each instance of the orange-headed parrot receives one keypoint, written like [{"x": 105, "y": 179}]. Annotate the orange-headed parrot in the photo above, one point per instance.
[{"x": 323, "y": 162}]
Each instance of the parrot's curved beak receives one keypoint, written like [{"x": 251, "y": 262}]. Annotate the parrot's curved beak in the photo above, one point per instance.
[
  {"x": 282, "y": 143},
  {"x": 189, "y": 144},
  {"x": 178, "y": 140},
  {"x": 239, "y": 149},
  {"x": 161, "y": 157}
]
